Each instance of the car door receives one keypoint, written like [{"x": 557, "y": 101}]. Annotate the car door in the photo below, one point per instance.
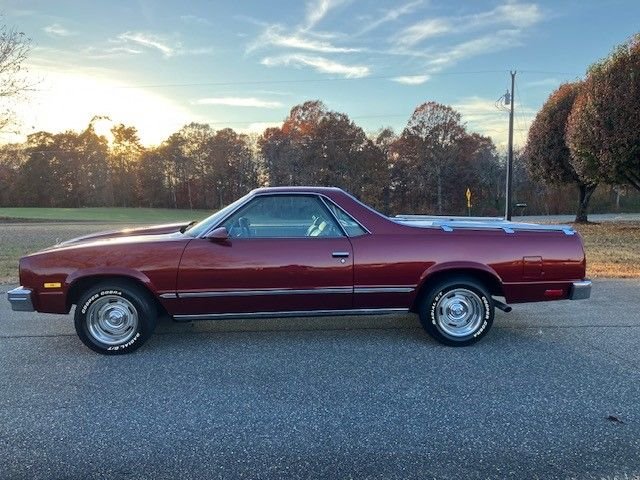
[{"x": 284, "y": 253}]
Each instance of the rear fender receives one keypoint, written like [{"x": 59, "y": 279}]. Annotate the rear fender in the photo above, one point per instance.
[{"x": 479, "y": 271}]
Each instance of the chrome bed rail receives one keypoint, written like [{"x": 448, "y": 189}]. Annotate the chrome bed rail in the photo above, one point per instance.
[{"x": 449, "y": 224}]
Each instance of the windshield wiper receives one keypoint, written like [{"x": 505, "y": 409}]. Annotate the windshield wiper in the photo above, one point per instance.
[{"x": 188, "y": 226}]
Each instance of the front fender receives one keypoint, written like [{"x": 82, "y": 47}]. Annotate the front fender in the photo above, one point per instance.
[{"x": 110, "y": 272}]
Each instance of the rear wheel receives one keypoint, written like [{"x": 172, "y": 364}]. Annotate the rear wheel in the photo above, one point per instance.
[
  {"x": 115, "y": 317},
  {"x": 457, "y": 311}
]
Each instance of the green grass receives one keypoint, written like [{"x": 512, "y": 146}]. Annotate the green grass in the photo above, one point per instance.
[{"x": 109, "y": 215}]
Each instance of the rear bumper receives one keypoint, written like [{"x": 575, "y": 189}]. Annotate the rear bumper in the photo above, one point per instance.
[
  {"x": 580, "y": 290},
  {"x": 21, "y": 299}
]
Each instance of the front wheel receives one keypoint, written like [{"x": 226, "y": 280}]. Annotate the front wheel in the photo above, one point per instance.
[
  {"x": 114, "y": 318},
  {"x": 457, "y": 312}
]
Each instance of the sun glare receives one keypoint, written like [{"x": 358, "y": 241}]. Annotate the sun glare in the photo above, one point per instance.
[{"x": 70, "y": 100}]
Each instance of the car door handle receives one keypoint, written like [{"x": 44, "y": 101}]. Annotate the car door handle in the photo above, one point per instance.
[{"x": 340, "y": 254}]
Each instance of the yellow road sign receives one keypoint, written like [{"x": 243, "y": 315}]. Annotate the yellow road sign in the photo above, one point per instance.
[{"x": 468, "y": 194}]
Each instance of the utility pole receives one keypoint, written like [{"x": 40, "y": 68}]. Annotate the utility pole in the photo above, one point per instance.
[{"x": 509, "y": 99}]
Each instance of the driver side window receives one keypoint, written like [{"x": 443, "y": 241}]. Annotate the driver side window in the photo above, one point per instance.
[{"x": 283, "y": 216}]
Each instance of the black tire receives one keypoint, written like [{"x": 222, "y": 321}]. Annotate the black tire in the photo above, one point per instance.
[
  {"x": 115, "y": 317},
  {"x": 457, "y": 295}
]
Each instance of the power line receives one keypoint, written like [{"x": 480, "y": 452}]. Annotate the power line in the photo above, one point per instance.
[
  {"x": 288, "y": 81},
  {"x": 549, "y": 72},
  {"x": 320, "y": 80}
]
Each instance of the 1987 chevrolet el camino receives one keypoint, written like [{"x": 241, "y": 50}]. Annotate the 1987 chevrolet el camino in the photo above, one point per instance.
[{"x": 294, "y": 251}]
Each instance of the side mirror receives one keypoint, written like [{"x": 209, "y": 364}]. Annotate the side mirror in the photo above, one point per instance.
[{"x": 219, "y": 235}]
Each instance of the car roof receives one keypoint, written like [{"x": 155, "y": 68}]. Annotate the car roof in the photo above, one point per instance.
[{"x": 297, "y": 189}]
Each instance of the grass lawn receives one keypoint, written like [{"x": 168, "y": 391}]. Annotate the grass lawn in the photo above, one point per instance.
[
  {"x": 111, "y": 215},
  {"x": 613, "y": 249}
]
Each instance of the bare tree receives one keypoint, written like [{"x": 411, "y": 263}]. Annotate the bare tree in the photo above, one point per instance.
[{"x": 14, "y": 49}]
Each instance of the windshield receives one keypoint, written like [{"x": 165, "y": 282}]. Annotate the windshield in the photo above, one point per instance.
[{"x": 201, "y": 227}]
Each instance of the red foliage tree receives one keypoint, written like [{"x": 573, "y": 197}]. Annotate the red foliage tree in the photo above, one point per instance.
[
  {"x": 604, "y": 127},
  {"x": 317, "y": 146},
  {"x": 548, "y": 156}
]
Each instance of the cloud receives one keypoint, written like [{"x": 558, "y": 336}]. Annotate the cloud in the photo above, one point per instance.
[
  {"x": 317, "y": 10},
  {"x": 492, "y": 42},
  {"x": 478, "y": 106},
  {"x": 483, "y": 116},
  {"x": 238, "y": 102},
  {"x": 320, "y": 64},
  {"x": 513, "y": 15},
  {"x": 303, "y": 37},
  {"x": 149, "y": 41},
  {"x": 134, "y": 43},
  {"x": 412, "y": 79},
  {"x": 521, "y": 15},
  {"x": 391, "y": 15},
  {"x": 274, "y": 35},
  {"x": 436, "y": 60},
  {"x": 57, "y": 30},
  {"x": 420, "y": 31},
  {"x": 111, "y": 52},
  {"x": 485, "y": 32}
]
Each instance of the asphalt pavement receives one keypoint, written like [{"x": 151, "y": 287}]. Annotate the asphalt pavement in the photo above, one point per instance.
[{"x": 551, "y": 392}]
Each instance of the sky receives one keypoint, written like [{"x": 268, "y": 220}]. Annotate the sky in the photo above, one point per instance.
[{"x": 244, "y": 64}]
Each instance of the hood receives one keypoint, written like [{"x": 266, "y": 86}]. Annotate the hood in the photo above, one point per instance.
[{"x": 127, "y": 232}]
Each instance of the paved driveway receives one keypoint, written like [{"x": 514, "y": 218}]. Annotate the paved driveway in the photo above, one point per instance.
[
  {"x": 593, "y": 217},
  {"x": 552, "y": 392}
]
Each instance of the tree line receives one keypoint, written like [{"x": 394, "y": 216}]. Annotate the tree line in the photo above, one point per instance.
[{"x": 427, "y": 167}]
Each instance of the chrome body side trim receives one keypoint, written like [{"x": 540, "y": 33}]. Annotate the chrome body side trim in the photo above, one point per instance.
[
  {"x": 449, "y": 224},
  {"x": 275, "y": 291},
  {"x": 580, "y": 290},
  {"x": 285, "y": 291},
  {"x": 289, "y": 314},
  {"x": 383, "y": 289},
  {"x": 450, "y": 218},
  {"x": 172, "y": 295},
  {"x": 20, "y": 299}
]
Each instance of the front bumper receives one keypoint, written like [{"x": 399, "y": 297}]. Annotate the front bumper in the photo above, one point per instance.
[
  {"x": 21, "y": 299},
  {"x": 580, "y": 290}
]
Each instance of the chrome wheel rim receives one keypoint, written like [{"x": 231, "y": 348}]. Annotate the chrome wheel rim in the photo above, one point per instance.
[
  {"x": 112, "y": 320},
  {"x": 459, "y": 312}
]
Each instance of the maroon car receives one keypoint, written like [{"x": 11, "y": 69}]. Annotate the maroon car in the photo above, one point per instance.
[{"x": 297, "y": 251}]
